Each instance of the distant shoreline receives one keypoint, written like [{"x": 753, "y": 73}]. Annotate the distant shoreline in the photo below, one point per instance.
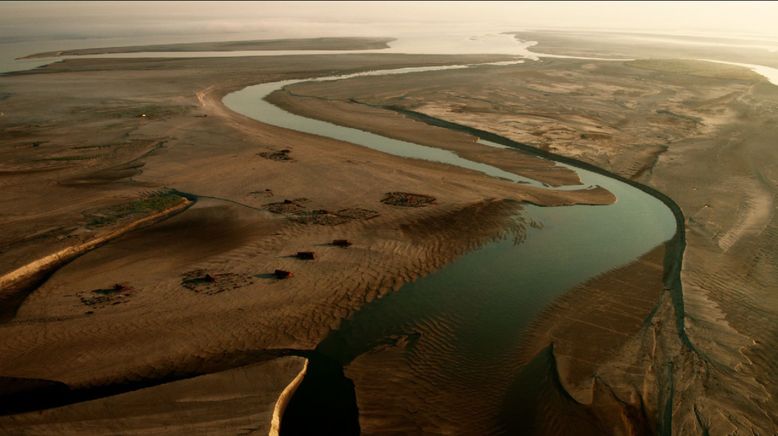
[{"x": 339, "y": 43}]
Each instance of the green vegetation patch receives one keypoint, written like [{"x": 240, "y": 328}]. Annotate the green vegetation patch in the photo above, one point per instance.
[
  {"x": 696, "y": 68},
  {"x": 151, "y": 203},
  {"x": 67, "y": 158}
]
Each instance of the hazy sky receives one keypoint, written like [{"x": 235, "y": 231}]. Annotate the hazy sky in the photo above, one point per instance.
[{"x": 22, "y": 20}]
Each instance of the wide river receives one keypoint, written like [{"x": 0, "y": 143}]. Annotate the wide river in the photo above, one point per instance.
[{"x": 483, "y": 300}]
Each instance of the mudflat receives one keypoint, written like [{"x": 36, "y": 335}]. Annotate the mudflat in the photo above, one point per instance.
[
  {"x": 195, "y": 294},
  {"x": 701, "y": 133}
]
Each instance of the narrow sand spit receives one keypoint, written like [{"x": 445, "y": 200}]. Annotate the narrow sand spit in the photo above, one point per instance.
[{"x": 283, "y": 401}]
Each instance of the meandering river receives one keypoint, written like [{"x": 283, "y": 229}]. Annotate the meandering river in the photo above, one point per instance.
[
  {"x": 484, "y": 299},
  {"x": 477, "y": 306}
]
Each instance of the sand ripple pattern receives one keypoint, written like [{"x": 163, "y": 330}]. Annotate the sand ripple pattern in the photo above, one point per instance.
[{"x": 167, "y": 328}]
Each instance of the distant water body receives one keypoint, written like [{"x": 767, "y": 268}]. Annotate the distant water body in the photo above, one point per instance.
[{"x": 490, "y": 43}]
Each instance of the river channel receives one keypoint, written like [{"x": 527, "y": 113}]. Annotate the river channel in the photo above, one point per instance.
[{"x": 477, "y": 306}]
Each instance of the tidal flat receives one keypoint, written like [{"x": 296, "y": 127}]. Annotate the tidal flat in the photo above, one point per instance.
[{"x": 184, "y": 324}]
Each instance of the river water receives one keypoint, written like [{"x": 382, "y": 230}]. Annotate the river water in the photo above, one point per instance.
[
  {"x": 437, "y": 42},
  {"x": 488, "y": 296}
]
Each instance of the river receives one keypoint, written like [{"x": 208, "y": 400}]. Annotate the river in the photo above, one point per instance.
[{"x": 487, "y": 297}]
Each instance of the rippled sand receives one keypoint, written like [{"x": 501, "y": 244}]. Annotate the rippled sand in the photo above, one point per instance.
[{"x": 122, "y": 128}]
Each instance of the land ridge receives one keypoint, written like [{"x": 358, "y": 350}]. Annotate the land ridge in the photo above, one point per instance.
[{"x": 325, "y": 43}]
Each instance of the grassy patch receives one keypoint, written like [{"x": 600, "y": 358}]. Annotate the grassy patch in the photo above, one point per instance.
[
  {"x": 132, "y": 110},
  {"x": 154, "y": 202},
  {"x": 93, "y": 147},
  {"x": 66, "y": 158},
  {"x": 147, "y": 111}
]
